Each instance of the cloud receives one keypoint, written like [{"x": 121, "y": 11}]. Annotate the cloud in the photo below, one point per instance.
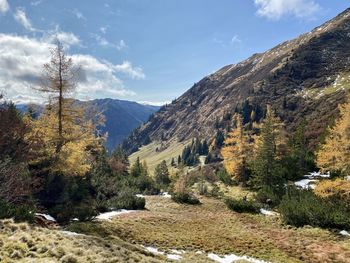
[
  {"x": 4, "y": 6},
  {"x": 105, "y": 43},
  {"x": 121, "y": 45},
  {"x": 236, "y": 40},
  {"x": 103, "y": 29},
  {"x": 36, "y": 3},
  {"x": 22, "y": 60},
  {"x": 67, "y": 39},
  {"x": 127, "y": 68},
  {"x": 21, "y": 17},
  {"x": 78, "y": 14},
  {"x": 276, "y": 9}
]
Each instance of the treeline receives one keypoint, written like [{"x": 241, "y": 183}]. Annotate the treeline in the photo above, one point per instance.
[
  {"x": 265, "y": 158},
  {"x": 190, "y": 154},
  {"x": 56, "y": 162}
]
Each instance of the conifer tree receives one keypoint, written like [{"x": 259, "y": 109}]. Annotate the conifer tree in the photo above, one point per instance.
[
  {"x": 136, "y": 168},
  {"x": 236, "y": 151},
  {"x": 334, "y": 154},
  {"x": 162, "y": 174},
  {"x": 266, "y": 171}
]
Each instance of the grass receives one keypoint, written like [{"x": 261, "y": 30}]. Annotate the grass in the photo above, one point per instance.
[
  {"x": 211, "y": 227},
  {"x": 25, "y": 243},
  {"x": 153, "y": 158}
]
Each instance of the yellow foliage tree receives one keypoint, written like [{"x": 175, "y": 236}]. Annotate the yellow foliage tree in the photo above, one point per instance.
[
  {"x": 236, "y": 150},
  {"x": 75, "y": 156},
  {"x": 338, "y": 187},
  {"x": 334, "y": 154}
]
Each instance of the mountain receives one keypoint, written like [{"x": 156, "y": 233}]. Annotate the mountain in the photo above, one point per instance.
[
  {"x": 121, "y": 117},
  {"x": 305, "y": 78}
]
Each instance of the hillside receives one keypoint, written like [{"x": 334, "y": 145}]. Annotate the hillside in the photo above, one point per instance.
[
  {"x": 305, "y": 78},
  {"x": 121, "y": 117}
]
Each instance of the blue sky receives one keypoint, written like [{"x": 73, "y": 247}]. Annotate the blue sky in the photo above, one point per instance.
[{"x": 145, "y": 50}]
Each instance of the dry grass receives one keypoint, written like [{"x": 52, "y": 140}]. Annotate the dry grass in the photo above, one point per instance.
[
  {"x": 24, "y": 243},
  {"x": 211, "y": 227},
  {"x": 153, "y": 157}
]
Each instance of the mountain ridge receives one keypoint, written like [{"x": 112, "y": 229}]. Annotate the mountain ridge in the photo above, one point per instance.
[{"x": 306, "y": 77}]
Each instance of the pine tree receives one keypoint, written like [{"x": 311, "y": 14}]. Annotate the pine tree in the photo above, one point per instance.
[
  {"x": 266, "y": 172},
  {"x": 236, "y": 151},
  {"x": 119, "y": 162},
  {"x": 144, "y": 168},
  {"x": 334, "y": 154},
  {"x": 179, "y": 161},
  {"x": 162, "y": 174},
  {"x": 136, "y": 168},
  {"x": 173, "y": 162}
]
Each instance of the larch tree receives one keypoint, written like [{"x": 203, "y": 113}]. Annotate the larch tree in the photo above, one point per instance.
[
  {"x": 235, "y": 152},
  {"x": 334, "y": 154},
  {"x": 64, "y": 133}
]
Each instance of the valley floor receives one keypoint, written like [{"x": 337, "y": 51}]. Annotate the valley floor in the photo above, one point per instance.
[
  {"x": 212, "y": 228},
  {"x": 173, "y": 232}
]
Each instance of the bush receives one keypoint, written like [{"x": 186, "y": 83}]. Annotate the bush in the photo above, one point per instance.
[
  {"x": 301, "y": 207},
  {"x": 185, "y": 198},
  {"x": 243, "y": 206},
  {"x": 19, "y": 213},
  {"x": 268, "y": 196},
  {"x": 127, "y": 200},
  {"x": 224, "y": 177}
]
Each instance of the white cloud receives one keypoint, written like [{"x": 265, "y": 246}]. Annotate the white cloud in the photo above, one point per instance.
[
  {"x": 79, "y": 14},
  {"x": 105, "y": 43},
  {"x": 236, "y": 40},
  {"x": 67, "y": 39},
  {"x": 103, "y": 29},
  {"x": 121, "y": 45},
  {"x": 36, "y": 3},
  {"x": 276, "y": 9},
  {"x": 21, "y": 18},
  {"x": 22, "y": 59},
  {"x": 127, "y": 68},
  {"x": 4, "y": 6}
]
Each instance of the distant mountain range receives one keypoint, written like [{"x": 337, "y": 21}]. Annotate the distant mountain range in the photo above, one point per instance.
[
  {"x": 304, "y": 79},
  {"x": 121, "y": 117}
]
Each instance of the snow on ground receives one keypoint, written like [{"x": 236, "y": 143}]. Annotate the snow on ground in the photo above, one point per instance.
[
  {"x": 154, "y": 250},
  {"x": 166, "y": 195},
  {"x": 306, "y": 183},
  {"x": 47, "y": 217},
  {"x": 318, "y": 174},
  {"x": 344, "y": 233},
  {"x": 267, "y": 212},
  {"x": 233, "y": 258},
  {"x": 174, "y": 256},
  {"x": 69, "y": 233},
  {"x": 109, "y": 215},
  {"x": 140, "y": 195}
]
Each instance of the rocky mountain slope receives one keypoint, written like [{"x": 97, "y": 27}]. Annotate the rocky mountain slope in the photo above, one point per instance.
[
  {"x": 121, "y": 117},
  {"x": 303, "y": 78}
]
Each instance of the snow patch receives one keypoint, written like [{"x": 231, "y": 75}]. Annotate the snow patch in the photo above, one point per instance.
[
  {"x": 47, "y": 217},
  {"x": 69, "y": 233},
  {"x": 344, "y": 233},
  {"x": 306, "y": 183},
  {"x": 140, "y": 195},
  {"x": 267, "y": 212},
  {"x": 154, "y": 250},
  {"x": 166, "y": 195},
  {"x": 318, "y": 174},
  {"x": 173, "y": 256},
  {"x": 232, "y": 258},
  {"x": 109, "y": 215}
]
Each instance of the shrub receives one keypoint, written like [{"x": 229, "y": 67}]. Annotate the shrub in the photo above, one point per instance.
[
  {"x": 185, "y": 198},
  {"x": 224, "y": 177},
  {"x": 127, "y": 200},
  {"x": 267, "y": 196},
  {"x": 18, "y": 212},
  {"x": 301, "y": 207},
  {"x": 242, "y": 206}
]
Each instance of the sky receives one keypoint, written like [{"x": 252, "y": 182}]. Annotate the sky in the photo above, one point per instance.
[{"x": 150, "y": 51}]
